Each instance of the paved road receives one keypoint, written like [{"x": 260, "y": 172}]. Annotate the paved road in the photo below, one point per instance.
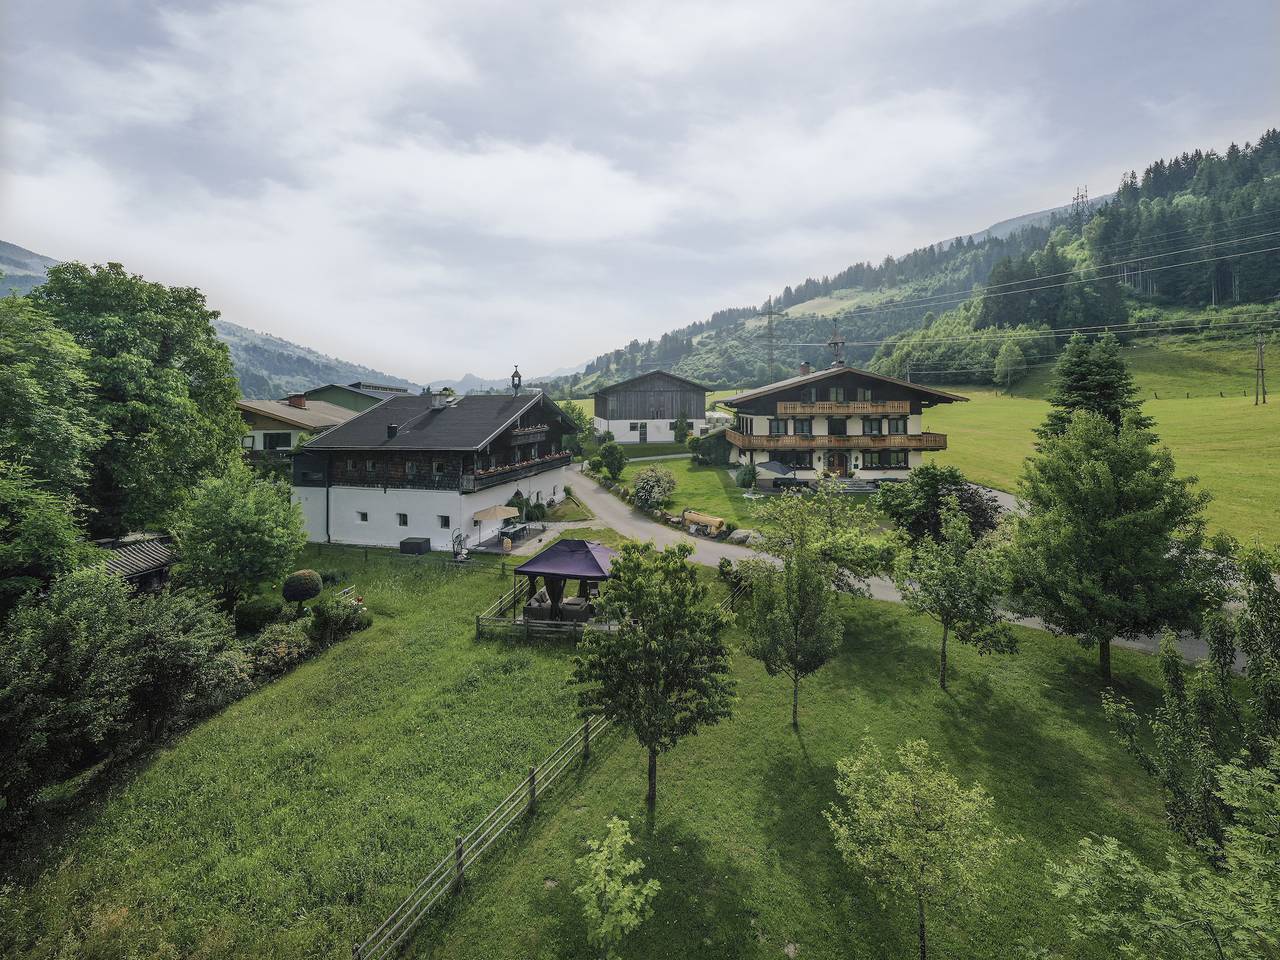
[{"x": 635, "y": 525}]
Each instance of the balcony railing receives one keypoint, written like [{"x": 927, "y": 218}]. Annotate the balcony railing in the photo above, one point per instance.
[
  {"x": 534, "y": 434},
  {"x": 847, "y": 408},
  {"x": 481, "y": 480},
  {"x": 790, "y": 441}
]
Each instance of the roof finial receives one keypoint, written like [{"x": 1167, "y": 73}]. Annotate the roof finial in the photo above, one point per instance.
[{"x": 515, "y": 381}]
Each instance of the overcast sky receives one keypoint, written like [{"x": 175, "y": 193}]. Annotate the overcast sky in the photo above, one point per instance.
[{"x": 435, "y": 188}]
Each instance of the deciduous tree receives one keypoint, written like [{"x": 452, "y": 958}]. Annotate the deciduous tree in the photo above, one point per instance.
[
  {"x": 237, "y": 531},
  {"x": 914, "y": 831},
  {"x": 40, "y": 535},
  {"x": 614, "y": 900},
  {"x": 833, "y": 524},
  {"x": 916, "y": 504},
  {"x": 959, "y": 581},
  {"x": 614, "y": 458},
  {"x": 795, "y": 626},
  {"x": 162, "y": 385},
  {"x": 663, "y": 672}
]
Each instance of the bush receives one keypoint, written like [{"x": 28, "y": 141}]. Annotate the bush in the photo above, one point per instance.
[
  {"x": 729, "y": 527},
  {"x": 596, "y": 464},
  {"x": 335, "y": 618},
  {"x": 277, "y": 649},
  {"x": 614, "y": 459},
  {"x": 257, "y": 613},
  {"x": 746, "y": 477},
  {"x": 568, "y": 491},
  {"x": 654, "y": 486},
  {"x": 331, "y": 577},
  {"x": 725, "y": 568},
  {"x": 692, "y": 444},
  {"x": 301, "y": 586}
]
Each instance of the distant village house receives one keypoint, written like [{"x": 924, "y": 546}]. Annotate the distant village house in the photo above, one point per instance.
[{"x": 645, "y": 409}]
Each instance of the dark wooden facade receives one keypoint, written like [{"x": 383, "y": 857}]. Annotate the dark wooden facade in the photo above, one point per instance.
[
  {"x": 651, "y": 396},
  {"x": 851, "y": 386}
]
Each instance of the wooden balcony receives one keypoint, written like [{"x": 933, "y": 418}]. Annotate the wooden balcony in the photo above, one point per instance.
[
  {"x": 833, "y": 408},
  {"x": 471, "y": 482},
  {"x": 893, "y": 441}
]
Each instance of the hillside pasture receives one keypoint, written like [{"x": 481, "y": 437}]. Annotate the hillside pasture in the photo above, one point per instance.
[{"x": 1226, "y": 441}]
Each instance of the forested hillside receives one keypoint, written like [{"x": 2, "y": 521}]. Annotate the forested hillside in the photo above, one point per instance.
[{"x": 1175, "y": 246}]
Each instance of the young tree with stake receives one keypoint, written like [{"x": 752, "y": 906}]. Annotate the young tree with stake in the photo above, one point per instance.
[
  {"x": 957, "y": 580},
  {"x": 664, "y": 671}
]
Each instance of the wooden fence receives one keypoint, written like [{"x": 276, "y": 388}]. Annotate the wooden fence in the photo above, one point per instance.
[{"x": 449, "y": 874}]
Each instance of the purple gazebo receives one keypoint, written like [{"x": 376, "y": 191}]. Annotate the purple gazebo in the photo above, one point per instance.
[{"x": 586, "y": 561}]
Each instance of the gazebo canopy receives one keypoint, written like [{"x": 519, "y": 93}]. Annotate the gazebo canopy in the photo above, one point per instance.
[{"x": 570, "y": 560}]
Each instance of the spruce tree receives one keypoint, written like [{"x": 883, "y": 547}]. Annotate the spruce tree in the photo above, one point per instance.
[{"x": 1092, "y": 376}]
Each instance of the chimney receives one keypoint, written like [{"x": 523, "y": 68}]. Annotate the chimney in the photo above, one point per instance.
[
  {"x": 439, "y": 399},
  {"x": 392, "y": 430},
  {"x": 298, "y": 400},
  {"x": 806, "y": 368}
]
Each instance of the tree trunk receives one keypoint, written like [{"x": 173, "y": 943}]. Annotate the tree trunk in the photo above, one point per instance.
[
  {"x": 942, "y": 664},
  {"x": 652, "y": 798},
  {"x": 795, "y": 703},
  {"x": 920, "y": 926},
  {"x": 1104, "y": 659}
]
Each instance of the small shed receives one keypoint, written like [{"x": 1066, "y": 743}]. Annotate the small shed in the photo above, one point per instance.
[
  {"x": 586, "y": 561},
  {"x": 142, "y": 559}
]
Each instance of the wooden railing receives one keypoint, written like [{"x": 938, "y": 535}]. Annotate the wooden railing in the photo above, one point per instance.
[
  {"x": 893, "y": 441},
  {"x": 472, "y": 482},
  {"x": 448, "y": 875},
  {"x": 843, "y": 408}
]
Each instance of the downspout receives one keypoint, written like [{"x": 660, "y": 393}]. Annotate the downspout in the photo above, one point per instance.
[{"x": 328, "y": 459}]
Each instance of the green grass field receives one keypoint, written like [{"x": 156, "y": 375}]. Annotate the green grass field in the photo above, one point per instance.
[
  {"x": 1224, "y": 440},
  {"x": 288, "y": 825},
  {"x": 707, "y": 489}
]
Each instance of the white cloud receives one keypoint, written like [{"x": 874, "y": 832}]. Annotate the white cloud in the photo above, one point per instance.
[{"x": 449, "y": 187}]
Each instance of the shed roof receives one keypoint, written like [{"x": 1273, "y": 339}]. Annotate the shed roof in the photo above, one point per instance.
[{"x": 138, "y": 554}]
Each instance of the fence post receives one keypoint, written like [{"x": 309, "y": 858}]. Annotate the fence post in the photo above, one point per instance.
[
  {"x": 586, "y": 740},
  {"x": 457, "y": 863},
  {"x": 355, "y": 951},
  {"x": 533, "y": 789}
]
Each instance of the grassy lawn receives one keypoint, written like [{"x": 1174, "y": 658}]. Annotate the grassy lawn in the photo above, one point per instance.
[
  {"x": 291, "y": 823},
  {"x": 707, "y": 489},
  {"x": 570, "y": 511},
  {"x": 738, "y": 841},
  {"x": 1226, "y": 441},
  {"x": 288, "y": 825}
]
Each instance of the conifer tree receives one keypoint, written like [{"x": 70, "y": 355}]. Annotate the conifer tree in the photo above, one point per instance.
[{"x": 1092, "y": 376}]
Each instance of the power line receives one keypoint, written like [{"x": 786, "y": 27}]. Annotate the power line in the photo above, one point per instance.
[{"x": 951, "y": 299}]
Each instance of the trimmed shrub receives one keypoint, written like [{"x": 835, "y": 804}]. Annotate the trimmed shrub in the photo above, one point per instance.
[
  {"x": 257, "y": 613},
  {"x": 614, "y": 459},
  {"x": 746, "y": 477},
  {"x": 301, "y": 586}
]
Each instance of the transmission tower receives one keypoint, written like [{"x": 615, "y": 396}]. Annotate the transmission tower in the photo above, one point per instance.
[
  {"x": 836, "y": 345},
  {"x": 1080, "y": 207}
]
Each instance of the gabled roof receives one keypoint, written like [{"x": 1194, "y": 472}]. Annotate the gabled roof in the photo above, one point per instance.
[
  {"x": 462, "y": 423},
  {"x": 575, "y": 559},
  {"x": 806, "y": 378},
  {"x": 363, "y": 390},
  {"x": 316, "y": 415},
  {"x": 654, "y": 373}
]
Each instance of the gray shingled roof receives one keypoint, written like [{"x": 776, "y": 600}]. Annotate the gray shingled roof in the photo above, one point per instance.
[
  {"x": 138, "y": 554},
  {"x": 465, "y": 423}
]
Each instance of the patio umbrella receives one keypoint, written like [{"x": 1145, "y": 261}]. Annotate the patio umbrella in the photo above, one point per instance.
[{"x": 498, "y": 512}]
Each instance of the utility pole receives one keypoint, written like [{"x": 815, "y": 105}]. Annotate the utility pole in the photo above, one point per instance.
[{"x": 1260, "y": 374}]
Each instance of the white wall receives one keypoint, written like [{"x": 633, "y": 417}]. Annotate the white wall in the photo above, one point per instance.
[
  {"x": 656, "y": 431},
  {"x": 424, "y": 508},
  {"x": 256, "y": 436}
]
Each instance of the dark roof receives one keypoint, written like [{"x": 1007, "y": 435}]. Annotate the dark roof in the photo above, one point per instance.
[
  {"x": 832, "y": 371},
  {"x": 460, "y": 423},
  {"x": 138, "y": 554},
  {"x": 364, "y": 390},
  {"x": 317, "y": 414},
  {"x": 653, "y": 373},
  {"x": 575, "y": 559}
]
